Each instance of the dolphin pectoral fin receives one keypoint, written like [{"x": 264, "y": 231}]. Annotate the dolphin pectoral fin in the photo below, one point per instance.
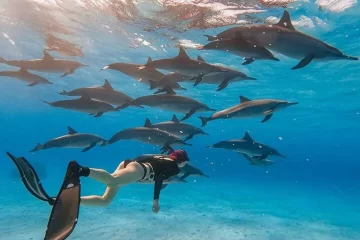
[
  {"x": 198, "y": 79},
  {"x": 267, "y": 118},
  {"x": 189, "y": 137},
  {"x": 68, "y": 73},
  {"x": 185, "y": 176},
  {"x": 304, "y": 62},
  {"x": 32, "y": 84},
  {"x": 248, "y": 61},
  {"x": 37, "y": 148},
  {"x": 99, "y": 114},
  {"x": 189, "y": 114},
  {"x": 224, "y": 83},
  {"x": 153, "y": 85},
  {"x": 89, "y": 147}
]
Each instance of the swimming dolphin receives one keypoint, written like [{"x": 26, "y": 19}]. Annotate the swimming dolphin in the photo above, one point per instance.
[
  {"x": 72, "y": 140},
  {"x": 26, "y": 76},
  {"x": 190, "y": 170},
  {"x": 223, "y": 78},
  {"x": 104, "y": 93},
  {"x": 186, "y": 171},
  {"x": 250, "y": 108},
  {"x": 240, "y": 46},
  {"x": 170, "y": 80},
  {"x": 176, "y": 127},
  {"x": 172, "y": 102},
  {"x": 248, "y": 146},
  {"x": 260, "y": 161},
  {"x": 84, "y": 104},
  {"x": 184, "y": 65},
  {"x": 46, "y": 64},
  {"x": 285, "y": 39},
  {"x": 132, "y": 70},
  {"x": 148, "y": 135},
  {"x": 62, "y": 46}
]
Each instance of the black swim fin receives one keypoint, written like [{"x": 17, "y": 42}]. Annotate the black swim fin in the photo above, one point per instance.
[
  {"x": 31, "y": 179},
  {"x": 65, "y": 212}
]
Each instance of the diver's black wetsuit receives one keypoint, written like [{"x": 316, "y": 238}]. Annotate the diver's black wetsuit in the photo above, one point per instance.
[{"x": 163, "y": 168}]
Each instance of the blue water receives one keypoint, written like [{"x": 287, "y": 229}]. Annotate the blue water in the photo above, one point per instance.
[{"x": 313, "y": 193}]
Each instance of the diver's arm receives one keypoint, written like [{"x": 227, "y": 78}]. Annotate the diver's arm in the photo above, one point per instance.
[{"x": 157, "y": 188}]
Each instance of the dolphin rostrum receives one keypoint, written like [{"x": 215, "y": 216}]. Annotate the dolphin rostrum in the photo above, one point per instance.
[
  {"x": 104, "y": 93},
  {"x": 240, "y": 46},
  {"x": 250, "y": 108},
  {"x": 46, "y": 64},
  {"x": 132, "y": 70},
  {"x": 148, "y": 135},
  {"x": 260, "y": 161},
  {"x": 285, "y": 39},
  {"x": 72, "y": 140},
  {"x": 85, "y": 104},
  {"x": 172, "y": 102},
  {"x": 175, "y": 126},
  {"x": 184, "y": 65},
  {"x": 25, "y": 76},
  {"x": 247, "y": 146},
  {"x": 224, "y": 78}
]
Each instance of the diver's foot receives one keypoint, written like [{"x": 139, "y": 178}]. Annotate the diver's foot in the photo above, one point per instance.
[{"x": 83, "y": 171}]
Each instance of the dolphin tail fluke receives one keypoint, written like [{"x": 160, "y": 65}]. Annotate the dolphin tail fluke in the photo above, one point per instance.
[
  {"x": 37, "y": 148},
  {"x": 211, "y": 38},
  {"x": 2, "y": 60},
  {"x": 204, "y": 121}
]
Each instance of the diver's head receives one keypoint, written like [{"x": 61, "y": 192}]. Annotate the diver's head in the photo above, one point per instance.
[{"x": 180, "y": 157}]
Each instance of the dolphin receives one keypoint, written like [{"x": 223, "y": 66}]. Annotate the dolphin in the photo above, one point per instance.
[
  {"x": 222, "y": 78},
  {"x": 46, "y": 64},
  {"x": 148, "y": 135},
  {"x": 132, "y": 70},
  {"x": 260, "y": 161},
  {"x": 26, "y": 76},
  {"x": 176, "y": 127},
  {"x": 62, "y": 46},
  {"x": 104, "y": 93},
  {"x": 250, "y": 108},
  {"x": 184, "y": 65},
  {"x": 85, "y": 104},
  {"x": 285, "y": 39},
  {"x": 72, "y": 140},
  {"x": 169, "y": 80},
  {"x": 240, "y": 46},
  {"x": 172, "y": 102},
  {"x": 247, "y": 146},
  {"x": 186, "y": 171}
]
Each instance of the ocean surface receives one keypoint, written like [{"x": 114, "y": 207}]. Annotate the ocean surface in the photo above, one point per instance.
[{"x": 312, "y": 194}]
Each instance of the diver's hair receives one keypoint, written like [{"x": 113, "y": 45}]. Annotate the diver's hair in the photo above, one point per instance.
[{"x": 179, "y": 156}]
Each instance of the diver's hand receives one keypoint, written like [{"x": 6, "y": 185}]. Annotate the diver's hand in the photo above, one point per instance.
[{"x": 156, "y": 207}]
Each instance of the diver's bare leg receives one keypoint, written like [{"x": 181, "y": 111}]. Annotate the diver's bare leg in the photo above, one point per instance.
[{"x": 121, "y": 176}]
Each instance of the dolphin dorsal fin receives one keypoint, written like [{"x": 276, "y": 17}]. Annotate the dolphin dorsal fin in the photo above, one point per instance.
[
  {"x": 71, "y": 131},
  {"x": 107, "y": 85},
  {"x": 147, "y": 123},
  {"x": 182, "y": 53},
  {"x": 247, "y": 137},
  {"x": 244, "y": 99},
  {"x": 149, "y": 60},
  {"x": 47, "y": 56},
  {"x": 199, "y": 58},
  {"x": 175, "y": 119},
  {"x": 285, "y": 21}
]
